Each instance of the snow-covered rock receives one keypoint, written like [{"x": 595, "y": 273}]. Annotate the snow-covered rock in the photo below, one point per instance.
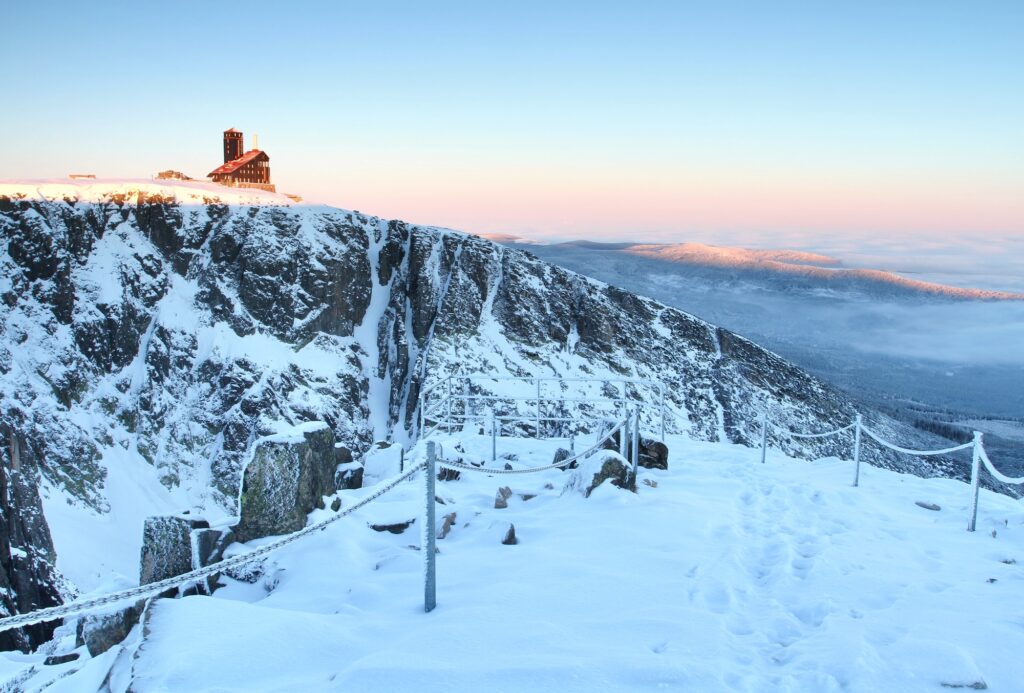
[
  {"x": 602, "y": 466},
  {"x": 287, "y": 478}
]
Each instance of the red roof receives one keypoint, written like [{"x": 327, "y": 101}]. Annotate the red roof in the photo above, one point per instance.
[
  {"x": 232, "y": 130},
  {"x": 235, "y": 164}
]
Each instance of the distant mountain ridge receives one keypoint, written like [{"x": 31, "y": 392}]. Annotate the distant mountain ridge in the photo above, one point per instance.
[{"x": 787, "y": 264}]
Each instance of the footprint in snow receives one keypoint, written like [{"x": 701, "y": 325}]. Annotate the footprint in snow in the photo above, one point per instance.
[{"x": 717, "y": 598}]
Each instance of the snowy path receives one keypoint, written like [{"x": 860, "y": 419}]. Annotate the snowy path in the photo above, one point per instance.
[{"x": 729, "y": 575}]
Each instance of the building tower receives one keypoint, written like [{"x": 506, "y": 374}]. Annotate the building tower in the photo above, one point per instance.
[{"x": 233, "y": 145}]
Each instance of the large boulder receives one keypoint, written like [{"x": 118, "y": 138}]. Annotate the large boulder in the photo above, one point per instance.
[
  {"x": 100, "y": 632},
  {"x": 167, "y": 547},
  {"x": 653, "y": 453},
  {"x": 602, "y": 466},
  {"x": 287, "y": 477},
  {"x": 171, "y": 545}
]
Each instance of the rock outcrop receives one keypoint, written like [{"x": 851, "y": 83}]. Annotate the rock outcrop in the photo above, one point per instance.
[{"x": 29, "y": 579}]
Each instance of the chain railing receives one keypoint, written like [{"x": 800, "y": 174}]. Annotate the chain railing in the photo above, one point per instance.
[
  {"x": 630, "y": 426},
  {"x": 627, "y": 428},
  {"x": 193, "y": 576},
  {"x": 977, "y": 446},
  {"x": 456, "y": 400}
]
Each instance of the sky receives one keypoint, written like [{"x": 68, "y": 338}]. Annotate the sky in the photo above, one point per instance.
[{"x": 746, "y": 121}]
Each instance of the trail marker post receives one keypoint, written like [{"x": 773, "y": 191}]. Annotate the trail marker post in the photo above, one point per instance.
[
  {"x": 494, "y": 437},
  {"x": 635, "y": 452},
  {"x": 764, "y": 434},
  {"x": 858, "y": 424},
  {"x": 538, "y": 408},
  {"x": 975, "y": 481},
  {"x": 429, "y": 535},
  {"x": 623, "y": 432}
]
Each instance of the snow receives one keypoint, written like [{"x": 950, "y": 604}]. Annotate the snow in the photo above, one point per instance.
[
  {"x": 728, "y": 575},
  {"x": 99, "y": 552},
  {"x": 1011, "y": 430},
  {"x": 106, "y": 189},
  {"x": 366, "y": 335},
  {"x": 292, "y": 434}
]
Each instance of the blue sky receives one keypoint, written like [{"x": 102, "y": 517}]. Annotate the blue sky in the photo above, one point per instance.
[{"x": 601, "y": 119}]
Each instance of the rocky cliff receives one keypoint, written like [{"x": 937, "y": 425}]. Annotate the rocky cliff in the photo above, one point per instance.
[{"x": 163, "y": 326}]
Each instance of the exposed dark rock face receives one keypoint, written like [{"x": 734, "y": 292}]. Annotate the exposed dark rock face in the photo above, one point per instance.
[
  {"x": 28, "y": 578},
  {"x": 183, "y": 334}
]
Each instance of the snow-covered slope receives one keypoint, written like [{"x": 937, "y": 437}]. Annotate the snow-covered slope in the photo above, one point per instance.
[
  {"x": 881, "y": 336},
  {"x": 727, "y": 575},
  {"x": 151, "y": 333}
]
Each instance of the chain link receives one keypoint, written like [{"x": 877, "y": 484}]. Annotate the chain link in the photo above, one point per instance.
[
  {"x": 54, "y": 612},
  {"x": 995, "y": 472},
  {"x": 920, "y": 453},
  {"x": 822, "y": 435}
]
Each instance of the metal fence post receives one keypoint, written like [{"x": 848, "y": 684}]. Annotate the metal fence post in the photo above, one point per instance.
[
  {"x": 494, "y": 437},
  {"x": 423, "y": 405},
  {"x": 623, "y": 432},
  {"x": 448, "y": 418},
  {"x": 764, "y": 434},
  {"x": 858, "y": 424},
  {"x": 429, "y": 535},
  {"x": 635, "y": 452},
  {"x": 661, "y": 387},
  {"x": 975, "y": 481},
  {"x": 538, "y": 406}
]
